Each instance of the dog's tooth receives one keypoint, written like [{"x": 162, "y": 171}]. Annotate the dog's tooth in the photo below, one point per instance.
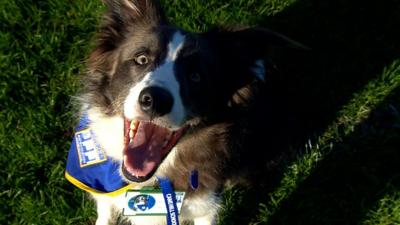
[
  {"x": 133, "y": 124},
  {"x": 131, "y": 134}
]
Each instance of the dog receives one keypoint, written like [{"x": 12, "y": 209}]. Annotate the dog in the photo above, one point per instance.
[{"x": 164, "y": 102}]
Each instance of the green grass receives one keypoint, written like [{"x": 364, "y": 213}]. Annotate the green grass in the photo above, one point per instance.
[
  {"x": 387, "y": 210},
  {"x": 342, "y": 98}
]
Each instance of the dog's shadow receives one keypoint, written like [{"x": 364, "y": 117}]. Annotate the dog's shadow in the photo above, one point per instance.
[
  {"x": 348, "y": 183},
  {"x": 352, "y": 42}
]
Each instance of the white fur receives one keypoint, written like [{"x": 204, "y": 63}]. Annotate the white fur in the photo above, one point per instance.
[
  {"x": 131, "y": 5},
  {"x": 164, "y": 77},
  {"x": 206, "y": 220},
  {"x": 175, "y": 46},
  {"x": 104, "y": 211},
  {"x": 201, "y": 207}
]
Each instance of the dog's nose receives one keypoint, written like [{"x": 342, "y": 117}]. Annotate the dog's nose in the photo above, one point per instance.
[{"x": 155, "y": 101}]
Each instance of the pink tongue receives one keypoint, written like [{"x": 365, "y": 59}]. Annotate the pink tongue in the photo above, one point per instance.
[{"x": 145, "y": 153}]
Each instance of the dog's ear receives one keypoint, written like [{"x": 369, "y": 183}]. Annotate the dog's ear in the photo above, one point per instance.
[
  {"x": 250, "y": 47},
  {"x": 120, "y": 17},
  {"x": 135, "y": 11}
]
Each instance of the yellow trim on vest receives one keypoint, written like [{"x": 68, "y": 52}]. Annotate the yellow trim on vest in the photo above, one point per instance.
[{"x": 93, "y": 191}]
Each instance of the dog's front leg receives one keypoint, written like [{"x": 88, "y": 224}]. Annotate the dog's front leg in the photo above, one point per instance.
[
  {"x": 206, "y": 220},
  {"x": 104, "y": 212},
  {"x": 202, "y": 208}
]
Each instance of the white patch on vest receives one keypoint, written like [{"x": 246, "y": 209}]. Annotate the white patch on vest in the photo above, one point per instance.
[
  {"x": 89, "y": 150},
  {"x": 109, "y": 132},
  {"x": 105, "y": 205},
  {"x": 201, "y": 208},
  {"x": 164, "y": 77}
]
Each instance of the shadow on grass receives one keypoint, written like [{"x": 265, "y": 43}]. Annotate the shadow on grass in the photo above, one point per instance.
[
  {"x": 348, "y": 182},
  {"x": 351, "y": 41}
]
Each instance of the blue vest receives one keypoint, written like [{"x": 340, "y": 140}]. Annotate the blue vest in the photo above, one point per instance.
[{"x": 89, "y": 168}]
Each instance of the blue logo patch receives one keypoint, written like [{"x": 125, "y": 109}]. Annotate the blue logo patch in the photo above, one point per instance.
[
  {"x": 89, "y": 151},
  {"x": 141, "y": 202}
]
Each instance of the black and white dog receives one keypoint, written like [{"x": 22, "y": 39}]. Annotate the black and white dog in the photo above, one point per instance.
[{"x": 163, "y": 102}]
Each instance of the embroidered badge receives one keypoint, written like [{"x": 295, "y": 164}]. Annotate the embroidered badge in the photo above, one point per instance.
[
  {"x": 148, "y": 202},
  {"x": 89, "y": 151}
]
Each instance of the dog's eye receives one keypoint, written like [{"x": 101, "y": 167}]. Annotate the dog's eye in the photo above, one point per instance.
[
  {"x": 141, "y": 59},
  {"x": 195, "y": 77}
]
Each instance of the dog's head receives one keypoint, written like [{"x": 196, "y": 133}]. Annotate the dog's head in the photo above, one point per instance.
[{"x": 162, "y": 80}]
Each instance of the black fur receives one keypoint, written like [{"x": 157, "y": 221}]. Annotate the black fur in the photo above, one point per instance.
[{"x": 217, "y": 81}]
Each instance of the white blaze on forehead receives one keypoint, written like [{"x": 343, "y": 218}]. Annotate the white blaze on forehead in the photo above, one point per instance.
[
  {"x": 164, "y": 77},
  {"x": 175, "y": 46}
]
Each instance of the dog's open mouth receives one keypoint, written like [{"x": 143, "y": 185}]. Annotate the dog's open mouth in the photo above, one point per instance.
[{"x": 146, "y": 146}]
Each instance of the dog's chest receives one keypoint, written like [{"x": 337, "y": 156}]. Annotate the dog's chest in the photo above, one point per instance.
[{"x": 194, "y": 206}]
